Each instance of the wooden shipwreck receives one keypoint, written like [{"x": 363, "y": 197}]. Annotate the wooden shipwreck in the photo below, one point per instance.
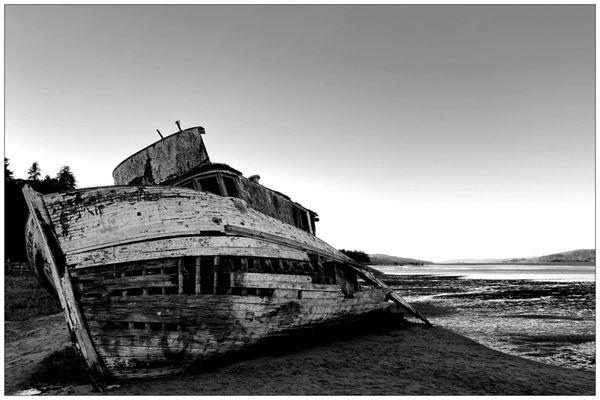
[{"x": 186, "y": 260}]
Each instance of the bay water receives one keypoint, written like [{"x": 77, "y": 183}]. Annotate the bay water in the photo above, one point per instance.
[{"x": 541, "y": 312}]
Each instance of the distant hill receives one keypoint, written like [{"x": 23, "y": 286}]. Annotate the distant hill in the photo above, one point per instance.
[
  {"x": 582, "y": 255},
  {"x": 384, "y": 259}
]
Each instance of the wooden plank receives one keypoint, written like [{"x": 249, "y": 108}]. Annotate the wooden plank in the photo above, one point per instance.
[
  {"x": 322, "y": 294},
  {"x": 124, "y": 292},
  {"x": 145, "y": 290},
  {"x": 286, "y": 285},
  {"x": 99, "y": 374},
  {"x": 184, "y": 247},
  {"x": 207, "y": 307},
  {"x": 369, "y": 277},
  {"x": 286, "y": 293},
  {"x": 243, "y": 277},
  {"x": 197, "y": 282},
  {"x": 215, "y": 274},
  {"x": 180, "y": 276},
  {"x": 132, "y": 282},
  {"x": 110, "y": 271}
]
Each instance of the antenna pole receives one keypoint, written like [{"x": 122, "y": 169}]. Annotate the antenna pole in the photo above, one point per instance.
[{"x": 160, "y": 134}]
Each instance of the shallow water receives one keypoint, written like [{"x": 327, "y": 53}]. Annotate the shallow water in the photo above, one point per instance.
[
  {"x": 570, "y": 273},
  {"x": 547, "y": 320}
]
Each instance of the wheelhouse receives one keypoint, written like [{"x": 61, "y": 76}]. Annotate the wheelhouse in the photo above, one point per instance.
[
  {"x": 223, "y": 180},
  {"x": 181, "y": 160}
]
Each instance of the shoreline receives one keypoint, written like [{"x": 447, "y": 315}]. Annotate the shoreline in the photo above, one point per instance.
[
  {"x": 492, "y": 264},
  {"x": 373, "y": 359}
]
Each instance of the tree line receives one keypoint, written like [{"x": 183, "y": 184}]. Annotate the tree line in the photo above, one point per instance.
[
  {"x": 15, "y": 208},
  {"x": 357, "y": 255}
]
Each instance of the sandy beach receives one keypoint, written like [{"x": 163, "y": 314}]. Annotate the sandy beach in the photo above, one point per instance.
[{"x": 384, "y": 358}]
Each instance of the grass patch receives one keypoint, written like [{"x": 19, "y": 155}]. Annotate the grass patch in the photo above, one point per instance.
[{"x": 25, "y": 298}]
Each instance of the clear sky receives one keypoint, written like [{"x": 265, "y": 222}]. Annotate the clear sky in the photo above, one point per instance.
[{"x": 434, "y": 132}]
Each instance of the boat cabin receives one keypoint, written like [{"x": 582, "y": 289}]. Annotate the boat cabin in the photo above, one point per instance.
[{"x": 181, "y": 160}]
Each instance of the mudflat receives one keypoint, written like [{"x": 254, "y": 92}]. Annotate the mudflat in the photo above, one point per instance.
[{"x": 378, "y": 359}]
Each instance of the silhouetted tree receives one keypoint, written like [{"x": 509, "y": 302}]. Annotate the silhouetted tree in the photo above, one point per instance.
[
  {"x": 47, "y": 185},
  {"x": 15, "y": 214},
  {"x": 8, "y": 174},
  {"x": 34, "y": 172},
  {"x": 357, "y": 255},
  {"x": 16, "y": 211},
  {"x": 66, "y": 179}
]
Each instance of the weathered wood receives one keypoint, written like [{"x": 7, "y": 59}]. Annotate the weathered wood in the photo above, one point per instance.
[
  {"x": 110, "y": 271},
  {"x": 391, "y": 294},
  {"x": 215, "y": 276},
  {"x": 157, "y": 308},
  {"x": 145, "y": 290},
  {"x": 98, "y": 373},
  {"x": 165, "y": 159},
  {"x": 92, "y": 219},
  {"x": 133, "y": 282},
  {"x": 197, "y": 282},
  {"x": 285, "y": 285},
  {"x": 246, "y": 277},
  {"x": 285, "y": 241},
  {"x": 124, "y": 292},
  {"x": 184, "y": 246},
  {"x": 180, "y": 276}
]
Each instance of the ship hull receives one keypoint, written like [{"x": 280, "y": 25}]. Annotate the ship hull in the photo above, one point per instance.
[
  {"x": 153, "y": 279},
  {"x": 157, "y": 335}
]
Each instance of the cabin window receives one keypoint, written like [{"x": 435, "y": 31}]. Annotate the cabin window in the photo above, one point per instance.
[
  {"x": 209, "y": 184},
  {"x": 230, "y": 186},
  {"x": 300, "y": 218},
  {"x": 304, "y": 220}
]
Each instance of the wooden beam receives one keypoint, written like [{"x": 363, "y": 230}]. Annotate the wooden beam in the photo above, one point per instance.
[
  {"x": 180, "y": 276},
  {"x": 99, "y": 375},
  {"x": 197, "y": 281},
  {"x": 145, "y": 290},
  {"x": 215, "y": 274}
]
